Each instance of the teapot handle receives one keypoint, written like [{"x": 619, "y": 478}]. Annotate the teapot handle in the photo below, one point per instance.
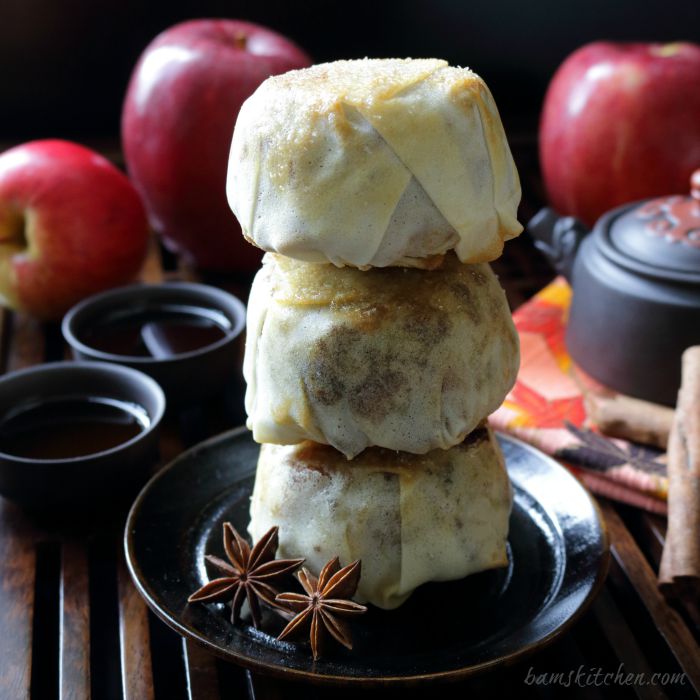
[{"x": 558, "y": 237}]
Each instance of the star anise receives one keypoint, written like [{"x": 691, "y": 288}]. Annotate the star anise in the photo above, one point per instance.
[
  {"x": 327, "y": 600},
  {"x": 249, "y": 575}
]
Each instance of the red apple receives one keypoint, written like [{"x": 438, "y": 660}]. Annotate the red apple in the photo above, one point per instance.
[
  {"x": 180, "y": 109},
  {"x": 71, "y": 224},
  {"x": 621, "y": 122}
]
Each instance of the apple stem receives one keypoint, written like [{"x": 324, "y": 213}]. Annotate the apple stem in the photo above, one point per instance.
[{"x": 240, "y": 40}]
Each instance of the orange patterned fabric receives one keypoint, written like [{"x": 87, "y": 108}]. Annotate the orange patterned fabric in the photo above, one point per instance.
[{"x": 546, "y": 408}]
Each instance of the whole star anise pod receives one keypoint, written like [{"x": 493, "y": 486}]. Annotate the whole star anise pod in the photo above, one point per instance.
[
  {"x": 327, "y": 600},
  {"x": 249, "y": 575}
]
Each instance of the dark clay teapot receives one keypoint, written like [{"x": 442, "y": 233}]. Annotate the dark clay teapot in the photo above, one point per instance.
[{"x": 636, "y": 282}]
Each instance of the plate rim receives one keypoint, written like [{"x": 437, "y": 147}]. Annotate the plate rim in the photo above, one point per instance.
[{"x": 287, "y": 673}]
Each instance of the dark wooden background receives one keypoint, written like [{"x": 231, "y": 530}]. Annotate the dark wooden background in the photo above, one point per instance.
[{"x": 64, "y": 64}]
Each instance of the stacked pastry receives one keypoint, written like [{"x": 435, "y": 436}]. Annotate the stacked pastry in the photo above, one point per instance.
[{"x": 378, "y": 338}]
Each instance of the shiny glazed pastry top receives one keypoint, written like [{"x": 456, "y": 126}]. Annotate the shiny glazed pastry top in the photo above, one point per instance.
[{"x": 374, "y": 163}]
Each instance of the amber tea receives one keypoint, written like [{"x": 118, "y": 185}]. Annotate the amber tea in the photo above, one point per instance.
[{"x": 71, "y": 426}]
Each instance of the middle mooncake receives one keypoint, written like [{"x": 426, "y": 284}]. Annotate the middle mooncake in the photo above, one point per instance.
[{"x": 405, "y": 359}]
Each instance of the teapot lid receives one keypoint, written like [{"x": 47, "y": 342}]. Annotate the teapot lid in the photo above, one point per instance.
[{"x": 662, "y": 234}]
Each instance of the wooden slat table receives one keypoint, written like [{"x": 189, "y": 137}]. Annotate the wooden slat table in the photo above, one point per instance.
[{"x": 73, "y": 626}]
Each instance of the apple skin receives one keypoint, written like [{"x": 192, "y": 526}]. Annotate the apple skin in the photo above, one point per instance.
[
  {"x": 177, "y": 122},
  {"x": 620, "y": 122},
  {"x": 71, "y": 224}
]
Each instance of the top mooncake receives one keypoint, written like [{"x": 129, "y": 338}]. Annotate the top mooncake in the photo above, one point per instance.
[{"x": 374, "y": 163}]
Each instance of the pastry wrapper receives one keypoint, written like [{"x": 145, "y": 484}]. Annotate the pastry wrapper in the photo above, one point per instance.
[
  {"x": 400, "y": 358},
  {"x": 410, "y": 518},
  {"x": 373, "y": 163}
]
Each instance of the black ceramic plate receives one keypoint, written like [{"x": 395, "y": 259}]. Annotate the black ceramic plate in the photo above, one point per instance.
[{"x": 558, "y": 560}]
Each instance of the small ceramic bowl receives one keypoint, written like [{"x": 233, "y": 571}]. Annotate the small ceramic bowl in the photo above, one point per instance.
[
  {"x": 143, "y": 322},
  {"x": 85, "y": 482}
]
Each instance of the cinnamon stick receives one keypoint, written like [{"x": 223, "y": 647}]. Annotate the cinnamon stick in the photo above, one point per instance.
[
  {"x": 632, "y": 419},
  {"x": 679, "y": 573}
]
